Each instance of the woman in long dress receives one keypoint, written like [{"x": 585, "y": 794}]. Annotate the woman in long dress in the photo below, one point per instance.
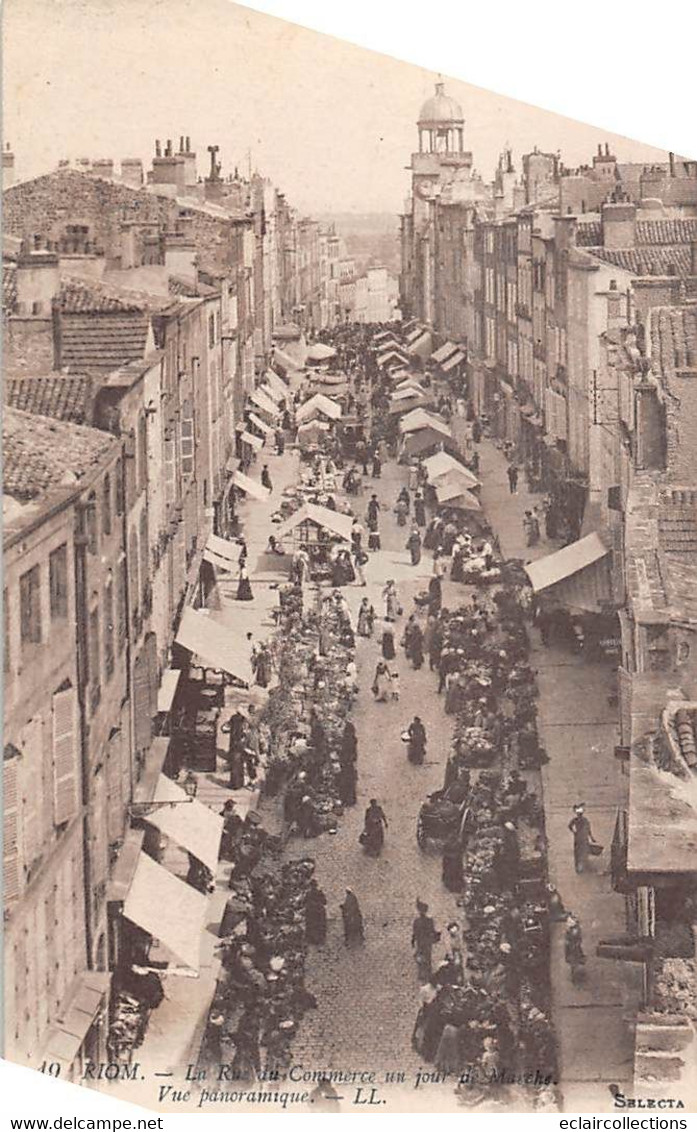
[
  {"x": 315, "y": 914},
  {"x": 382, "y": 683},
  {"x": 365, "y": 624},
  {"x": 419, "y": 510},
  {"x": 387, "y": 643},
  {"x": 391, "y": 601},
  {"x": 352, "y": 917},
  {"x": 244, "y": 588},
  {"x": 414, "y": 546}
]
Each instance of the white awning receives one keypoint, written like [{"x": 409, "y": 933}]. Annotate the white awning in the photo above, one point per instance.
[
  {"x": 268, "y": 391},
  {"x": 277, "y": 383},
  {"x": 454, "y": 495},
  {"x": 442, "y": 463},
  {"x": 452, "y": 362},
  {"x": 221, "y": 552},
  {"x": 332, "y": 521},
  {"x": 414, "y": 333},
  {"x": 407, "y": 393},
  {"x": 260, "y": 424},
  {"x": 318, "y": 403},
  {"x": 192, "y": 825},
  {"x": 554, "y": 568},
  {"x": 286, "y": 360},
  {"x": 264, "y": 402},
  {"x": 411, "y": 383},
  {"x": 168, "y": 688},
  {"x": 415, "y": 442},
  {"x": 319, "y": 352},
  {"x": 168, "y": 909},
  {"x": 250, "y": 487},
  {"x": 217, "y": 646},
  {"x": 460, "y": 480},
  {"x": 421, "y": 345},
  {"x": 254, "y": 441},
  {"x": 419, "y": 418},
  {"x": 399, "y": 356},
  {"x": 443, "y": 352}
]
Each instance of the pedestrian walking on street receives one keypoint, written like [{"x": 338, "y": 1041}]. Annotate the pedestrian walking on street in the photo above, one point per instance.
[
  {"x": 377, "y": 466},
  {"x": 374, "y": 537},
  {"x": 315, "y": 914},
  {"x": 387, "y": 642},
  {"x": 374, "y": 825},
  {"x": 364, "y": 626},
  {"x": 419, "y": 510},
  {"x": 348, "y": 780},
  {"x": 414, "y": 546},
  {"x": 382, "y": 683},
  {"x": 244, "y": 587},
  {"x": 280, "y": 442},
  {"x": 266, "y": 478},
  {"x": 359, "y": 559},
  {"x": 423, "y": 937},
  {"x": 352, "y": 918},
  {"x": 392, "y": 606},
  {"x": 583, "y": 838},
  {"x": 373, "y": 511},
  {"x": 512, "y": 473}
]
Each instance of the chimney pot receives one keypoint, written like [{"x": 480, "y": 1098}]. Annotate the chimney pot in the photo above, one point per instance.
[
  {"x": 600, "y": 150},
  {"x": 607, "y": 150},
  {"x": 188, "y": 144}
]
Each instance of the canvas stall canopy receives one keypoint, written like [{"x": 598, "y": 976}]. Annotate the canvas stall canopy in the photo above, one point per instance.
[
  {"x": 318, "y": 403},
  {"x": 215, "y": 644}
]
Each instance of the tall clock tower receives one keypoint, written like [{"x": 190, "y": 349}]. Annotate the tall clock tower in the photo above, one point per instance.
[{"x": 441, "y": 159}]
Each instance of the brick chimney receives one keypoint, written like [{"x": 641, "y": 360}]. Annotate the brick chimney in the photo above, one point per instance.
[
  {"x": 619, "y": 225},
  {"x": 8, "y": 167},
  {"x": 132, "y": 172},
  {"x": 103, "y": 167},
  {"x": 38, "y": 278},
  {"x": 168, "y": 171},
  {"x": 185, "y": 151}
]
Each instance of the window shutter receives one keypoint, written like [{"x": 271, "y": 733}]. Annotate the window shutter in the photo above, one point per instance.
[
  {"x": 98, "y": 822},
  {"x": 32, "y": 793},
  {"x": 11, "y": 846},
  {"x": 141, "y": 702},
  {"x": 115, "y": 808},
  {"x": 65, "y": 756}
]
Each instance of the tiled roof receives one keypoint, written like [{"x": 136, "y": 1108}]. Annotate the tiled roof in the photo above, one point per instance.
[
  {"x": 655, "y": 232},
  {"x": 103, "y": 342},
  {"x": 41, "y": 455},
  {"x": 672, "y": 259},
  {"x": 9, "y": 287},
  {"x": 673, "y": 337},
  {"x": 588, "y": 235},
  {"x": 61, "y": 396},
  {"x": 79, "y": 296}
]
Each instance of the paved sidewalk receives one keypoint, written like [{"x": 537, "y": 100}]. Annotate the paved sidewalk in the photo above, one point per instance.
[{"x": 578, "y": 728}]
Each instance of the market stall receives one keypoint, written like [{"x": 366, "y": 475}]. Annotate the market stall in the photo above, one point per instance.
[
  {"x": 315, "y": 530},
  {"x": 318, "y": 405}
]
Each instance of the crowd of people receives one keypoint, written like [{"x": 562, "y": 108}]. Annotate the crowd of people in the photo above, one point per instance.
[{"x": 486, "y": 1003}]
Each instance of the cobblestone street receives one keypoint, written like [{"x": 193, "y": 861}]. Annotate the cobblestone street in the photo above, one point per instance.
[{"x": 367, "y": 996}]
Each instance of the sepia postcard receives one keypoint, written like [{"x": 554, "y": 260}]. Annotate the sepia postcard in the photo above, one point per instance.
[{"x": 350, "y": 580}]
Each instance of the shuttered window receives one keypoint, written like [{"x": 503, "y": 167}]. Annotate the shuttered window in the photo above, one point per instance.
[
  {"x": 30, "y": 606},
  {"x": 142, "y": 698},
  {"x": 98, "y": 829},
  {"x": 32, "y": 794},
  {"x": 12, "y": 864},
  {"x": 144, "y": 552},
  {"x": 121, "y": 605},
  {"x": 109, "y": 629},
  {"x": 65, "y": 756},
  {"x": 58, "y": 582},
  {"x": 170, "y": 472},
  {"x": 114, "y": 783},
  {"x": 187, "y": 439},
  {"x": 95, "y": 659},
  {"x": 106, "y": 506}
]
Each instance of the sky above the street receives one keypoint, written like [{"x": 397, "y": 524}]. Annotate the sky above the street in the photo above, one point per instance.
[{"x": 332, "y": 124}]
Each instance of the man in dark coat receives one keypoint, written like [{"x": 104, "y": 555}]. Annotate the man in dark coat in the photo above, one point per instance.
[{"x": 352, "y": 918}]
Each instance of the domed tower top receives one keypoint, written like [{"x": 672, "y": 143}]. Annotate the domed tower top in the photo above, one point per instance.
[{"x": 441, "y": 124}]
